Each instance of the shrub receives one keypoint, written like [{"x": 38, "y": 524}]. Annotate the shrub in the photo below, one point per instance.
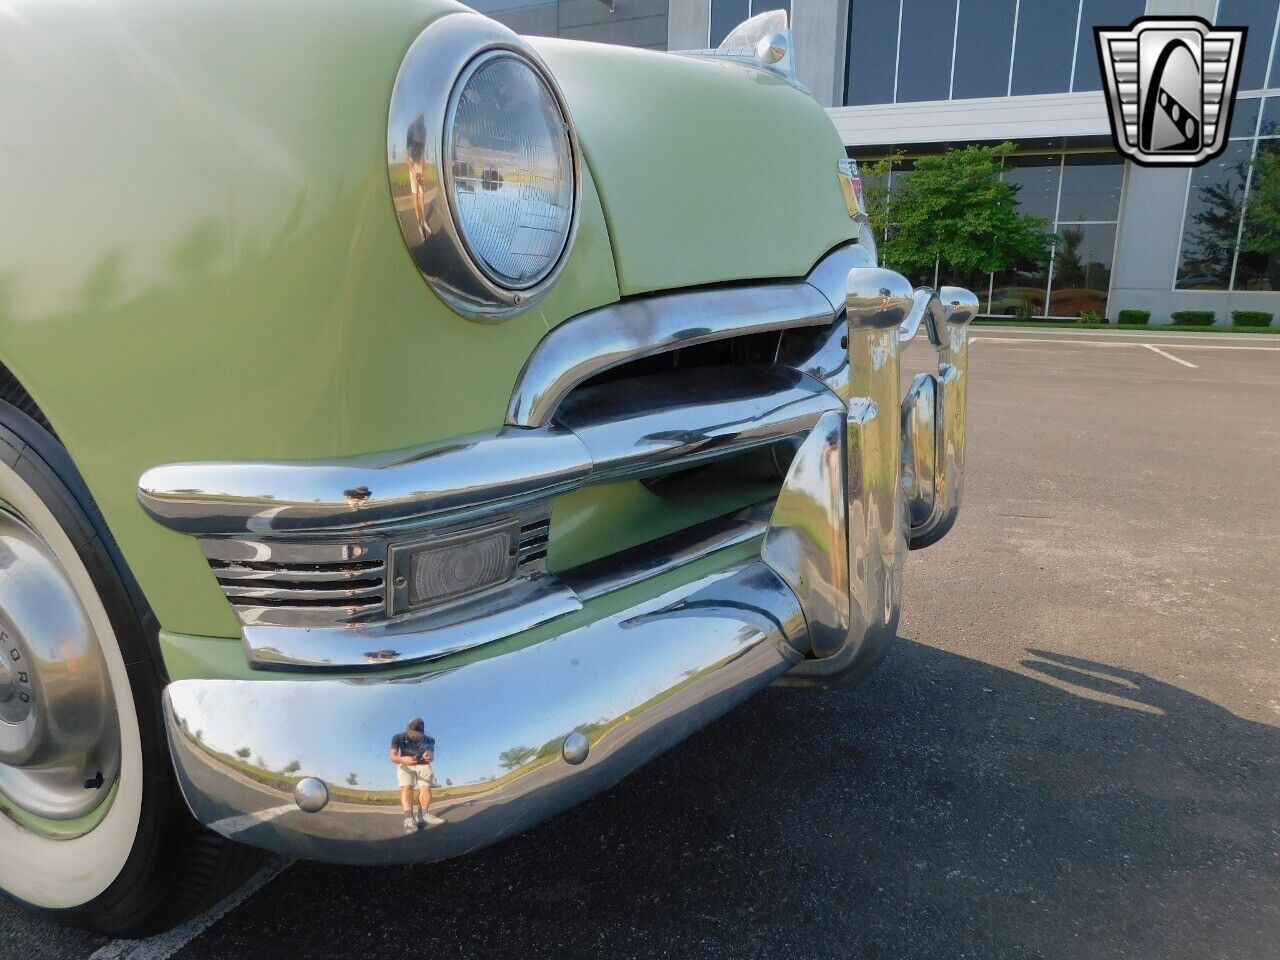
[
  {"x": 1193, "y": 318},
  {"x": 1091, "y": 319},
  {"x": 1022, "y": 312},
  {"x": 1251, "y": 318},
  {"x": 1135, "y": 316}
]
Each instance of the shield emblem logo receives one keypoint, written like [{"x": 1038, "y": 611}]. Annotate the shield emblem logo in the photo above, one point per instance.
[{"x": 1171, "y": 84}]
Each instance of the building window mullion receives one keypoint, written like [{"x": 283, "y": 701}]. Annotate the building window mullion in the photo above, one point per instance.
[
  {"x": 1013, "y": 49},
  {"x": 1075, "y": 52}
]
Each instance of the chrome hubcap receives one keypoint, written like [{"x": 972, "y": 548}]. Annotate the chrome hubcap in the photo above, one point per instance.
[
  {"x": 8, "y": 684},
  {"x": 59, "y": 736}
]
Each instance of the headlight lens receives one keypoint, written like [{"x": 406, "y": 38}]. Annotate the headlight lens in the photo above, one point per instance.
[{"x": 510, "y": 178}]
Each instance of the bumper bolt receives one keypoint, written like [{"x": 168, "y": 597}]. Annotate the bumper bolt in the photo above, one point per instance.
[
  {"x": 311, "y": 795},
  {"x": 576, "y": 747}
]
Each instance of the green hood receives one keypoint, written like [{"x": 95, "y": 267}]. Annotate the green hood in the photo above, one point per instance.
[{"x": 707, "y": 171}]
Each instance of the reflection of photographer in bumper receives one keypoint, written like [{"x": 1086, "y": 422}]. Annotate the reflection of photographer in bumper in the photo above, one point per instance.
[{"x": 412, "y": 752}]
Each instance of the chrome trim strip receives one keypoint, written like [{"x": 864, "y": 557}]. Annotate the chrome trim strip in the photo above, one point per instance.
[
  {"x": 631, "y": 685},
  {"x": 248, "y": 577},
  {"x": 593, "y": 342},
  {"x": 251, "y": 592},
  {"x": 657, "y": 557},
  {"x": 244, "y": 550},
  {"x": 513, "y": 608},
  {"x": 508, "y": 466}
]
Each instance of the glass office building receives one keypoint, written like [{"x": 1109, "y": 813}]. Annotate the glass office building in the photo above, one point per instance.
[{"x": 920, "y": 76}]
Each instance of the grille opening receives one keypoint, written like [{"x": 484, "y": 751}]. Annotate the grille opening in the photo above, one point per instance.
[
  {"x": 286, "y": 584},
  {"x": 348, "y": 603},
  {"x": 535, "y": 538},
  {"x": 754, "y": 348},
  {"x": 266, "y": 566},
  {"x": 766, "y": 467}
]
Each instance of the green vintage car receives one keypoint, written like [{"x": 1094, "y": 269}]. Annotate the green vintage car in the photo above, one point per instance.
[{"x": 409, "y": 428}]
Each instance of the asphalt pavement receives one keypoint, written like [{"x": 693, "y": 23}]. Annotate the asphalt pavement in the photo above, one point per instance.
[{"x": 1073, "y": 750}]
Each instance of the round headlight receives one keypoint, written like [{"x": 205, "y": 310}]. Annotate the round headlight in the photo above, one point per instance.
[
  {"x": 510, "y": 174},
  {"x": 483, "y": 166}
]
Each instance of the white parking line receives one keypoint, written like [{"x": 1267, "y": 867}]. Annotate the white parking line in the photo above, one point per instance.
[
  {"x": 1122, "y": 343},
  {"x": 1153, "y": 333},
  {"x": 1170, "y": 356},
  {"x": 230, "y": 826},
  {"x": 165, "y": 945}
]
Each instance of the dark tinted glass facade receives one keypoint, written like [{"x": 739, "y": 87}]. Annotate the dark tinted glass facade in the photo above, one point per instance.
[
  {"x": 1222, "y": 246},
  {"x": 1260, "y": 17},
  {"x": 905, "y": 51}
]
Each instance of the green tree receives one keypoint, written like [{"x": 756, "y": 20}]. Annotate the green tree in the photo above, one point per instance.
[
  {"x": 293, "y": 766},
  {"x": 353, "y": 779},
  {"x": 953, "y": 209},
  {"x": 243, "y": 753}
]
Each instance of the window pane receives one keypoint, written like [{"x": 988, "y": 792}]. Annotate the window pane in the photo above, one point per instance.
[
  {"x": 1036, "y": 178},
  {"x": 1023, "y": 283},
  {"x": 1082, "y": 269},
  {"x": 1213, "y": 219},
  {"x": 983, "y": 46},
  {"x": 1275, "y": 66},
  {"x": 1044, "y": 45},
  {"x": 634, "y": 23},
  {"x": 1270, "y": 126},
  {"x": 1259, "y": 266},
  {"x": 873, "y": 51},
  {"x": 924, "y": 67},
  {"x": 725, "y": 15},
  {"x": 1244, "y": 117},
  {"x": 1260, "y": 17},
  {"x": 765, "y": 6},
  {"x": 1091, "y": 188},
  {"x": 1099, "y": 13}
]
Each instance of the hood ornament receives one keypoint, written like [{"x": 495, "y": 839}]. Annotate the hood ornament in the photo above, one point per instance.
[{"x": 763, "y": 42}]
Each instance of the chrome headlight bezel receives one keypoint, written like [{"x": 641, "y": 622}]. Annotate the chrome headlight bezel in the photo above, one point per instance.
[{"x": 428, "y": 84}]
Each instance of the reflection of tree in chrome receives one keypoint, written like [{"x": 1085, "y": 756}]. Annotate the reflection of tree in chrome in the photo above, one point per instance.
[{"x": 516, "y": 757}]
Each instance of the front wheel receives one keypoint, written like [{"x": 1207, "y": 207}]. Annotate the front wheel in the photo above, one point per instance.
[{"x": 92, "y": 828}]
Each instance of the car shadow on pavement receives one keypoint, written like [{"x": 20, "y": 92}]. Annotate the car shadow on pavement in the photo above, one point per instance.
[{"x": 949, "y": 808}]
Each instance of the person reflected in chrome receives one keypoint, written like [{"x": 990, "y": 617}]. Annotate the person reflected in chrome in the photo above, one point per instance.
[{"x": 412, "y": 751}]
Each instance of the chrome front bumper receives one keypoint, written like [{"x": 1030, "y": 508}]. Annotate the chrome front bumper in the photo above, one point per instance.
[{"x": 300, "y": 765}]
